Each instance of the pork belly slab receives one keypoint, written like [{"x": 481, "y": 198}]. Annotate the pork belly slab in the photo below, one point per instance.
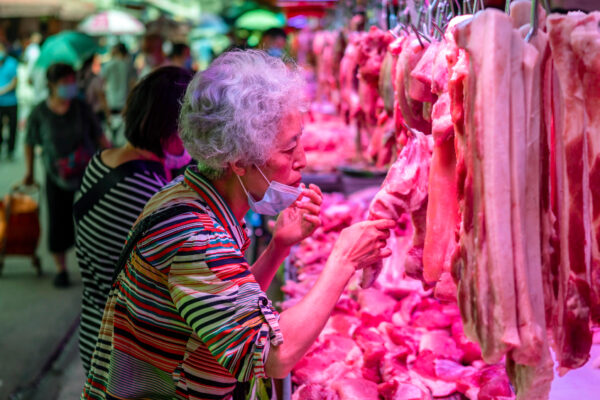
[{"x": 489, "y": 309}]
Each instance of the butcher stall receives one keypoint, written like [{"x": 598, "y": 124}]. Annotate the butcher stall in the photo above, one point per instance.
[{"x": 476, "y": 128}]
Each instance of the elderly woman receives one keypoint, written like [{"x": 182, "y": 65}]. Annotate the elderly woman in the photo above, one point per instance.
[{"x": 187, "y": 317}]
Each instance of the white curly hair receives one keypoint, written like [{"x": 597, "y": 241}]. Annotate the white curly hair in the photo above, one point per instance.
[{"x": 233, "y": 110}]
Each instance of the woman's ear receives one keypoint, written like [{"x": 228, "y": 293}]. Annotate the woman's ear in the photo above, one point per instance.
[{"x": 238, "y": 168}]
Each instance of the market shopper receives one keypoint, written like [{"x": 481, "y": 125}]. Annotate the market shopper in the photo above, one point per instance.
[
  {"x": 187, "y": 316},
  {"x": 69, "y": 134},
  {"x": 8, "y": 98},
  {"x": 181, "y": 56},
  {"x": 117, "y": 184},
  {"x": 119, "y": 76}
]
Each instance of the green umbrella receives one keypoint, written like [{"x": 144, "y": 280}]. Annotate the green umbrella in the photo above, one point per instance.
[
  {"x": 260, "y": 20},
  {"x": 67, "y": 47},
  {"x": 208, "y": 26}
]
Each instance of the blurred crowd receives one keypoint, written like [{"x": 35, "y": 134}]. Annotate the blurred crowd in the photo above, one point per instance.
[{"x": 68, "y": 115}]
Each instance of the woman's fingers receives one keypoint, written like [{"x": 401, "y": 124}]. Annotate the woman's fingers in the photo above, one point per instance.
[
  {"x": 313, "y": 219},
  {"x": 385, "y": 252},
  {"x": 317, "y": 190},
  {"x": 314, "y": 194},
  {"x": 310, "y": 207},
  {"x": 384, "y": 224}
]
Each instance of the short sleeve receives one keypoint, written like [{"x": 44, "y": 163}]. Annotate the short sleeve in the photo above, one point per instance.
[{"x": 217, "y": 295}]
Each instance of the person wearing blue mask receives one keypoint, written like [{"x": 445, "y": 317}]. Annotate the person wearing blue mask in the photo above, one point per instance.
[
  {"x": 187, "y": 315},
  {"x": 8, "y": 97},
  {"x": 69, "y": 134},
  {"x": 274, "y": 41}
]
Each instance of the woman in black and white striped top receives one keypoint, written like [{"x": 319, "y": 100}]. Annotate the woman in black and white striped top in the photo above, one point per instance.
[{"x": 118, "y": 183}]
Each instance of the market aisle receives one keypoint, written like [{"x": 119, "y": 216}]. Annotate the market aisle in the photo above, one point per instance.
[{"x": 34, "y": 315}]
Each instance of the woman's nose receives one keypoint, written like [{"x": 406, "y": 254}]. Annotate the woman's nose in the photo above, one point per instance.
[{"x": 300, "y": 161}]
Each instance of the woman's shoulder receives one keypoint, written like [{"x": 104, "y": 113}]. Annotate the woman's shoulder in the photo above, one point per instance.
[{"x": 144, "y": 178}]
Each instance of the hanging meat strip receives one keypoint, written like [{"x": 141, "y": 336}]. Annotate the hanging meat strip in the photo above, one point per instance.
[
  {"x": 530, "y": 366},
  {"x": 585, "y": 40},
  {"x": 491, "y": 311},
  {"x": 404, "y": 190},
  {"x": 572, "y": 335},
  {"x": 442, "y": 207}
]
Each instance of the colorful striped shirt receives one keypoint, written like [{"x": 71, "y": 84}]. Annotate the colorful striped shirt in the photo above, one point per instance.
[{"x": 186, "y": 318}]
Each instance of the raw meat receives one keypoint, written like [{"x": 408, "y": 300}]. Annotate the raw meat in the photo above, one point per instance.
[
  {"x": 386, "y": 82},
  {"x": 403, "y": 191},
  {"x": 585, "y": 40},
  {"x": 405, "y": 342},
  {"x": 408, "y": 108},
  {"x": 371, "y": 51},
  {"x": 356, "y": 389},
  {"x": 349, "y": 101},
  {"x": 572, "y": 335},
  {"x": 487, "y": 295},
  {"x": 442, "y": 212},
  {"x": 530, "y": 366}
]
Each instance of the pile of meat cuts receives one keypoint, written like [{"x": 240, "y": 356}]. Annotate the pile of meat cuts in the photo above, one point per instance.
[
  {"x": 497, "y": 181},
  {"x": 393, "y": 340},
  {"x": 328, "y": 143}
]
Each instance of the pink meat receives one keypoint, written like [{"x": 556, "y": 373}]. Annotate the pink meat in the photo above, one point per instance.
[
  {"x": 356, "y": 389},
  {"x": 372, "y": 48},
  {"x": 348, "y": 77},
  {"x": 314, "y": 392},
  {"x": 525, "y": 196},
  {"x": 397, "y": 390},
  {"x": 410, "y": 109},
  {"x": 403, "y": 191},
  {"x": 423, "y": 72},
  {"x": 442, "y": 212},
  {"x": 439, "y": 71},
  {"x": 530, "y": 366},
  {"x": 572, "y": 335},
  {"x": 585, "y": 40},
  {"x": 487, "y": 298}
]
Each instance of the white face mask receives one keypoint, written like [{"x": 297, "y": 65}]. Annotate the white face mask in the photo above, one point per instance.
[
  {"x": 176, "y": 162},
  {"x": 277, "y": 198}
]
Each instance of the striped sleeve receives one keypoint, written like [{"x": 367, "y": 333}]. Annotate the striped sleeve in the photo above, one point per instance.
[{"x": 215, "y": 292}]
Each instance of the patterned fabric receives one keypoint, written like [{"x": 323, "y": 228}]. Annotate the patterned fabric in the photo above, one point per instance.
[
  {"x": 102, "y": 232},
  {"x": 186, "y": 317}
]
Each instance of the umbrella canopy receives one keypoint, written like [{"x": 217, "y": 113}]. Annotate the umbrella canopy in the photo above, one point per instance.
[
  {"x": 111, "y": 22},
  {"x": 260, "y": 20},
  {"x": 209, "y": 25},
  {"x": 173, "y": 30},
  {"x": 68, "y": 47}
]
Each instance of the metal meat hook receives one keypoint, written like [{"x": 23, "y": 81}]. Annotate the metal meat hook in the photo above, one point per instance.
[{"x": 534, "y": 21}]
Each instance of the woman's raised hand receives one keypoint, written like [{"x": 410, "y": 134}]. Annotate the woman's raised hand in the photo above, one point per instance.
[
  {"x": 299, "y": 220},
  {"x": 362, "y": 244}
]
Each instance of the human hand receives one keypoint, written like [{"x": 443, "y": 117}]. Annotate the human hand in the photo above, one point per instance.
[
  {"x": 299, "y": 220},
  {"x": 363, "y": 244}
]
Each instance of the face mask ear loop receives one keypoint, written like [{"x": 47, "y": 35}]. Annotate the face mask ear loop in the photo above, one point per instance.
[
  {"x": 263, "y": 175},
  {"x": 242, "y": 184}
]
